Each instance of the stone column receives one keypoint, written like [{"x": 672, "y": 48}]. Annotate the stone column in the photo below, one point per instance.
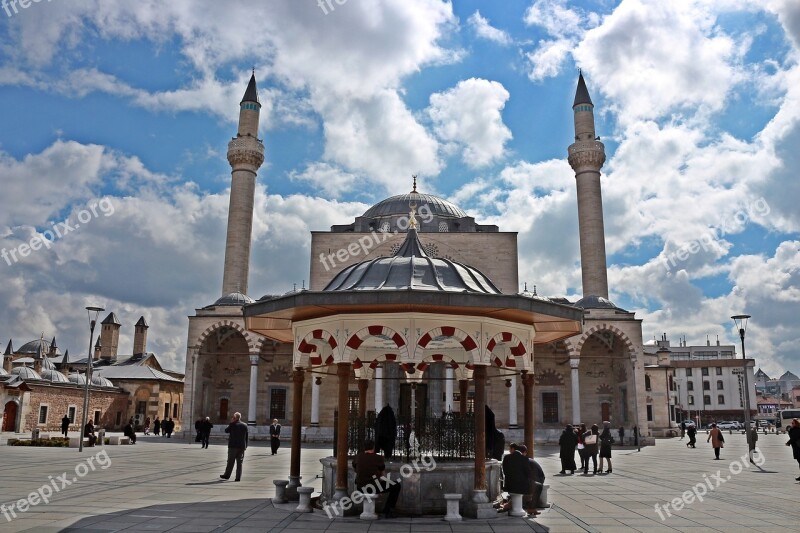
[
  {"x": 436, "y": 373},
  {"x": 448, "y": 390},
  {"x": 297, "y": 420},
  {"x": 251, "y": 408},
  {"x": 363, "y": 386},
  {"x": 392, "y": 371},
  {"x": 463, "y": 387},
  {"x": 343, "y": 371},
  {"x": 527, "y": 386},
  {"x": 378, "y": 389},
  {"x": 576, "y": 391},
  {"x": 315, "y": 401},
  {"x": 479, "y": 377},
  {"x": 512, "y": 403}
]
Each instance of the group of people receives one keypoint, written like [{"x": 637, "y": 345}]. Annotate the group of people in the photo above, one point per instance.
[
  {"x": 521, "y": 475},
  {"x": 588, "y": 443},
  {"x": 203, "y": 428},
  {"x": 163, "y": 427}
]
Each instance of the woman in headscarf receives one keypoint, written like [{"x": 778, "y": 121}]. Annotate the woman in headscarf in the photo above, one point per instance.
[
  {"x": 606, "y": 440},
  {"x": 567, "y": 443}
]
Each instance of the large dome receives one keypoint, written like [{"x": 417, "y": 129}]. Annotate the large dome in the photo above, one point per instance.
[
  {"x": 398, "y": 205},
  {"x": 32, "y": 347},
  {"x": 412, "y": 269}
]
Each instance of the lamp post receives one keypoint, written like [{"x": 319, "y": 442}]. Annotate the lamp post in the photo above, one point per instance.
[
  {"x": 741, "y": 324},
  {"x": 636, "y": 428},
  {"x": 92, "y": 322}
]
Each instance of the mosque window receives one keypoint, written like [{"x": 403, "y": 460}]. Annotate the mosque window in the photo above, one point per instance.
[
  {"x": 277, "y": 403},
  {"x": 550, "y": 408},
  {"x": 43, "y": 414},
  {"x": 71, "y": 414},
  {"x": 649, "y": 413},
  {"x": 352, "y": 401}
]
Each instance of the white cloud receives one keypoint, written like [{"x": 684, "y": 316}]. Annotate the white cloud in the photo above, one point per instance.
[
  {"x": 485, "y": 30},
  {"x": 564, "y": 26},
  {"x": 327, "y": 178},
  {"x": 470, "y": 115}
]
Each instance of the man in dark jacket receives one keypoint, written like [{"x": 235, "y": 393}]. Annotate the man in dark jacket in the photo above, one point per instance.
[
  {"x": 129, "y": 432},
  {"x": 65, "y": 425},
  {"x": 517, "y": 472},
  {"x": 275, "y": 436},
  {"x": 205, "y": 431},
  {"x": 386, "y": 431},
  {"x": 370, "y": 468},
  {"x": 794, "y": 440},
  {"x": 237, "y": 444},
  {"x": 531, "y": 500}
]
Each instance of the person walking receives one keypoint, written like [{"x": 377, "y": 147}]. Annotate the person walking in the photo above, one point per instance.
[
  {"x": 590, "y": 440},
  {"x": 370, "y": 471},
  {"x": 621, "y": 436},
  {"x": 606, "y": 440},
  {"x": 65, "y": 425},
  {"x": 157, "y": 427},
  {"x": 567, "y": 443},
  {"x": 275, "y": 436},
  {"x": 582, "y": 448},
  {"x": 169, "y": 427},
  {"x": 752, "y": 444},
  {"x": 717, "y": 440},
  {"x": 683, "y": 429},
  {"x": 794, "y": 441},
  {"x": 691, "y": 432},
  {"x": 205, "y": 432},
  {"x": 237, "y": 444}
]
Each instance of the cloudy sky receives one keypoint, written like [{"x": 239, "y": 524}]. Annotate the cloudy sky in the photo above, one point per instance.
[{"x": 116, "y": 116}]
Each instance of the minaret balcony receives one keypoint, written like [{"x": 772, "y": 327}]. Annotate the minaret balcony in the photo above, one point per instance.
[
  {"x": 247, "y": 151},
  {"x": 587, "y": 155}
]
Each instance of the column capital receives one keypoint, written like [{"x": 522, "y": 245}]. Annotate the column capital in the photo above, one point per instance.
[
  {"x": 574, "y": 363},
  {"x": 254, "y": 359},
  {"x": 298, "y": 375}
]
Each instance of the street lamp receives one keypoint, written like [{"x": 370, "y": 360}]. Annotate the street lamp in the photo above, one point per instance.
[
  {"x": 741, "y": 324},
  {"x": 92, "y": 322}
]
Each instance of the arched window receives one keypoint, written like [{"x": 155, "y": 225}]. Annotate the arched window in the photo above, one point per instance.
[{"x": 647, "y": 382}]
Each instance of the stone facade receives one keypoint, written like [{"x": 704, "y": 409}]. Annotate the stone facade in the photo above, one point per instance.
[{"x": 111, "y": 406}]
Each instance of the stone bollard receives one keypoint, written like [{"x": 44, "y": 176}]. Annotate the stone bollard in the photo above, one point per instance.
[
  {"x": 516, "y": 505},
  {"x": 369, "y": 507},
  {"x": 280, "y": 490},
  {"x": 101, "y": 437},
  {"x": 304, "y": 505},
  {"x": 452, "y": 507},
  {"x": 543, "y": 497}
]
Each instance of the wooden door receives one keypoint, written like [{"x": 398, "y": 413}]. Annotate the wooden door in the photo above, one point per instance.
[
  {"x": 223, "y": 409},
  {"x": 10, "y": 417}
]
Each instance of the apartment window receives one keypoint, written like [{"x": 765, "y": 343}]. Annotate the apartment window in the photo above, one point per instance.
[
  {"x": 649, "y": 413},
  {"x": 706, "y": 400},
  {"x": 550, "y": 407},
  {"x": 704, "y": 370},
  {"x": 719, "y": 370},
  {"x": 71, "y": 414},
  {"x": 43, "y": 414},
  {"x": 706, "y": 385},
  {"x": 721, "y": 399},
  {"x": 688, "y": 372},
  {"x": 720, "y": 385},
  {"x": 690, "y": 385},
  {"x": 691, "y": 400}
]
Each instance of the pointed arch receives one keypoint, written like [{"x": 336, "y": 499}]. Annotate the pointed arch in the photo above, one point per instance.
[{"x": 252, "y": 342}]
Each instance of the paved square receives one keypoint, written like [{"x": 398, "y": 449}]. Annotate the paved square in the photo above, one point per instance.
[{"x": 171, "y": 485}]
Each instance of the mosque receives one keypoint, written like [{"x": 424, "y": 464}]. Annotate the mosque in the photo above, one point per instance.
[{"x": 416, "y": 305}]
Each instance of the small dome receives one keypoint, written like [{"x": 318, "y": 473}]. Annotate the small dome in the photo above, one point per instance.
[
  {"x": 410, "y": 268},
  {"x": 269, "y": 297},
  {"x": 100, "y": 381},
  {"x": 77, "y": 378},
  {"x": 398, "y": 205},
  {"x": 234, "y": 299},
  {"x": 596, "y": 302},
  {"x": 54, "y": 376},
  {"x": 25, "y": 373}
]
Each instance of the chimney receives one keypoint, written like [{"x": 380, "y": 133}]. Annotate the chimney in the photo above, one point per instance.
[
  {"x": 717, "y": 340},
  {"x": 53, "y": 347},
  {"x": 708, "y": 341},
  {"x": 8, "y": 356},
  {"x": 37, "y": 358},
  {"x": 140, "y": 336},
  {"x": 109, "y": 335},
  {"x": 97, "y": 348}
]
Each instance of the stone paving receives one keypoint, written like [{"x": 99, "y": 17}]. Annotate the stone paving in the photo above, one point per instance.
[{"x": 173, "y": 485}]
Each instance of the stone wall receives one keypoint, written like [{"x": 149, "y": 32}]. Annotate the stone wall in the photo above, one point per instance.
[{"x": 58, "y": 400}]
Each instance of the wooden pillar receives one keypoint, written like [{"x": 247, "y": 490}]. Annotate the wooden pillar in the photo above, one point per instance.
[
  {"x": 479, "y": 377},
  {"x": 527, "y": 384},
  {"x": 298, "y": 376},
  {"x": 343, "y": 371},
  {"x": 463, "y": 386},
  {"x": 363, "y": 386}
]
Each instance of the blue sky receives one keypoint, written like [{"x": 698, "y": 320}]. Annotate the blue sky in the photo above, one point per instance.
[{"x": 135, "y": 102}]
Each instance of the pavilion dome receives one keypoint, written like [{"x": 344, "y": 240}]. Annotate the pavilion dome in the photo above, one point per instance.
[
  {"x": 234, "y": 299},
  {"x": 76, "y": 378},
  {"x": 54, "y": 376},
  {"x": 410, "y": 268},
  {"x": 398, "y": 205},
  {"x": 596, "y": 302},
  {"x": 100, "y": 381},
  {"x": 25, "y": 373}
]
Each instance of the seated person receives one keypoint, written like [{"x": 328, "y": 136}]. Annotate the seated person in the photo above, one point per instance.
[
  {"x": 368, "y": 464},
  {"x": 516, "y": 472},
  {"x": 89, "y": 433},
  {"x": 531, "y": 499},
  {"x": 130, "y": 433}
]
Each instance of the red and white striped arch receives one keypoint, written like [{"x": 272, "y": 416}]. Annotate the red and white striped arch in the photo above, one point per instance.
[
  {"x": 516, "y": 350},
  {"x": 469, "y": 344},
  {"x": 357, "y": 339},
  {"x": 319, "y": 346}
]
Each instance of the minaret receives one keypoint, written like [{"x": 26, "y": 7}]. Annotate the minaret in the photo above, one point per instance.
[
  {"x": 586, "y": 157},
  {"x": 245, "y": 154}
]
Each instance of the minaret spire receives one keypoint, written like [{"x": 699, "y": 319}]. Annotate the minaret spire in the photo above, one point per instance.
[
  {"x": 586, "y": 157},
  {"x": 245, "y": 155}
]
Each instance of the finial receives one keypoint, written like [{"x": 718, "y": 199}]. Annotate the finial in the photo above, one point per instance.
[
  {"x": 254, "y": 71},
  {"x": 415, "y": 183},
  {"x": 526, "y": 287},
  {"x": 534, "y": 291}
]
